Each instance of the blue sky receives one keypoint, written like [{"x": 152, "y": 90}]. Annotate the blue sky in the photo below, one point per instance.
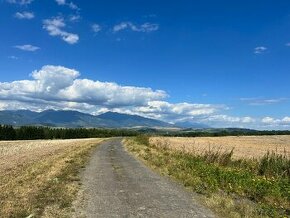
[{"x": 223, "y": 63}]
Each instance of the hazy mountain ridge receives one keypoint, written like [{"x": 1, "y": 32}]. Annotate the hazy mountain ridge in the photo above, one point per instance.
[
  {"x": 188, "y": 124},
  {"x": 77, "y": 119}
]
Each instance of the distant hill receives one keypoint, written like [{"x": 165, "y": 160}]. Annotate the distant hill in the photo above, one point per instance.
[
  {"x": 75, "y": 119},
  {"x": 125, "y": 120},
  {"x": 192, "y": 125}
]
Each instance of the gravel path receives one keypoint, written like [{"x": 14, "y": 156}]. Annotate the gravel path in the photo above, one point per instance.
[{"x": 118, "y": 185}]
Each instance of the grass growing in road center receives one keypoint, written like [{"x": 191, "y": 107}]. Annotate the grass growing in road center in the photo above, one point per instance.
[{"x": 234, "y": 188}]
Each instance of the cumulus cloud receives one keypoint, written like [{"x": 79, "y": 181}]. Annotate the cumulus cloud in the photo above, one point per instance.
[
  {"x": 20, "y": 2},
  {"x": 248, "y": 120},
  {"x": 96, "y": 28},
  {"x": 55, "y": 26},
  {"x": 44, "y": 105},
  {"x": 176, "y": 112},
  {"x": 269, "y": 120},
  {"x": 109, "y": 94},
  {"x": 58, "y": 87},
  {"x": 146, "y": 27},
  {"x": 286, "y": 120},
  {"x": 27, "y": 47},
  {"x": 24, "y": 15},
  {"x": 276, "y": 122},
  {"x": 260, "y": 49},
  {"x": 265, "y": 123},
  {"x": 57, "y": 83},
  {"x": 229, "y": 119}
]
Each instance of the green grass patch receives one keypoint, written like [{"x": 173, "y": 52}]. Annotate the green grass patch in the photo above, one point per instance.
[{"x": 262, "y": 185}]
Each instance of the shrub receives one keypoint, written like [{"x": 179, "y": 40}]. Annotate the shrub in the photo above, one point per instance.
[{"x": 142, "y": 139}]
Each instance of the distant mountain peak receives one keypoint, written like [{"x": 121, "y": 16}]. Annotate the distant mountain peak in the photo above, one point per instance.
[
  {"x": 117, "y": 114},
  {"x": 70, "y": 118}
]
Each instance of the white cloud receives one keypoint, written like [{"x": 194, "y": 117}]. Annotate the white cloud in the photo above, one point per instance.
[
  {"x": 269, "y": 120},
  {"x": 108, "y": 93},
  {"x": 190, "y": 109},
  {"x": 96, "y": 28},
  {"x": 27, "y": 47},
  {"x": 248, "y": 120},
  {"x": 286, "y": 120},
  {"x": 73, "y": 6},
  {"x": 43, "y": 105},
  {"x": 167, "y": 111},
  {"x": 260, "y": 50},
  {"x": 229, "y": 119},
  {"x": 74, "y": 18},
  {"x": 20, "y": 2},
  {"x": 146, "y": 27},
  {"x": 120, "y": 27},
  {"x": 69, "y": 4},
  {"x": 58, "y": 87},
  {"x": 51, "y": 79},
  {"x": 56, "y": 83},
  {"x": 60, "y": 2},
  {"x": 55, "y": 27},
  {"x": 24, "y": 15},
  {"x": 263, "y": 101},
  {"x": 288, "y": 44},
  {"x": 265, "y": 123},
  {"x": 276, "y": 122},
  {"x": 13, "y": 57}
]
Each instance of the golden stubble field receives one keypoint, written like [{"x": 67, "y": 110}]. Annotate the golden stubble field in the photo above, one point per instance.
[
  {"x": 19, "y": 153},
  {"x": 244, "y": 146},
  {"x": 40, "y": 177}
]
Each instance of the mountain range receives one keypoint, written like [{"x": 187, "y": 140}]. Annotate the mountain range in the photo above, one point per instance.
[{"x": 74, "y": 119}]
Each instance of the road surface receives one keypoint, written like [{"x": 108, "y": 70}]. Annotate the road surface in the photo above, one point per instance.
[{"x": 117, "y": 185}]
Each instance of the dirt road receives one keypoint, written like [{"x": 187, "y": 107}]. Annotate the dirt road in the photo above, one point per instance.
[{"x": 117, "y": 185}]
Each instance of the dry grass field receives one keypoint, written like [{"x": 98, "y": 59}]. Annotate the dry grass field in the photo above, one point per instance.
[
  {"x": 244, "y": 146},
  {"x": 40, "y": 178}
]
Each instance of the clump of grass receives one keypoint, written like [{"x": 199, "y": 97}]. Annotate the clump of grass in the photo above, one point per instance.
[
  {"x": 274, "y": 165},
  {"x": 142, "y": 139},
  {"x": 270, "y": 165},
  {"x": 222, "y": 158},
  {"x": 210, "y": 173}
]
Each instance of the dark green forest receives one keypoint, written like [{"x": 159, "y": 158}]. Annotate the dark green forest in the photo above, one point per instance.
[
  {"x": 33, "y": 132},
  {"x": 230, "y": 133}
]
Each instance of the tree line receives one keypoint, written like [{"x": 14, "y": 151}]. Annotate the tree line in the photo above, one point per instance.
[
  {"x": 32, "y": 132},
  {"x": 229, "y": 133}
]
